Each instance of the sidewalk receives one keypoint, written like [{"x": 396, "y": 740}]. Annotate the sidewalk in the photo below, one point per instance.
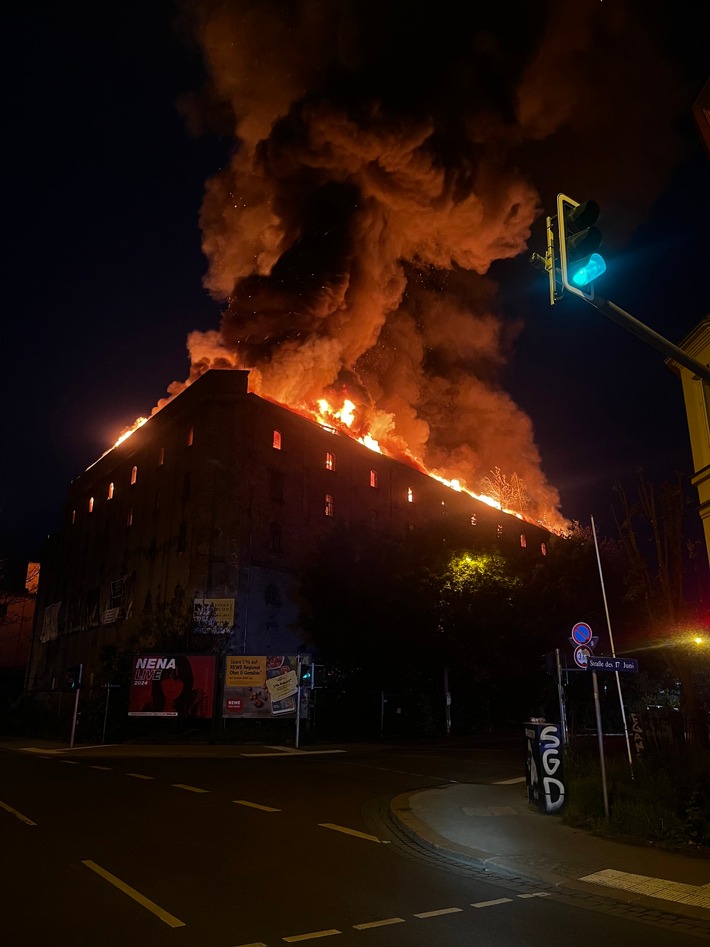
[{"x": 494, "y": 827}]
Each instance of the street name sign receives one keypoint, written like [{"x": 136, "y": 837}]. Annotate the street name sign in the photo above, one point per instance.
[{"x": 612, "y": 664}]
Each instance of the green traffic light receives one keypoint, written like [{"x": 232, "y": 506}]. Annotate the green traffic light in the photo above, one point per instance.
[{"x": 593, "y": 267}]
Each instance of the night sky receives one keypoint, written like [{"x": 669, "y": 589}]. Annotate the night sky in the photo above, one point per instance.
[{"x": 108, "y": 165}]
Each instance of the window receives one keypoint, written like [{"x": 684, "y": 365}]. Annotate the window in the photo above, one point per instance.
[
  {"x": 161, "y": 457},
  {"x": 134, "y": 475},
  {"x": 276, "y": 486},
  {"x": 410, "y": 495},
  {"x": 499, "y": 529},
  {"x": 329, "y": 460},
  {"x": 474, "y": 520},
  {"x": 373, "y": 478},
  {"x": 276, "y": 443},
  {"x": 129, "y": 518},
  {"x": 91, "y": 504},
  {"x": 329, "y": 504},
  {"x": 543, "y": 549},
  {"x": 109, "y": 495},
  {"x": 275, "y": 537},
  {"x": 523, "y": 541},
  {"x": 182, "y": 537},
  {"x": 190, "y": 436},
  {"x": 73, "y": 517}
]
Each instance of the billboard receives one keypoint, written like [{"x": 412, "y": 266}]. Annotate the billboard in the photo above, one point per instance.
[
  {"x": 259, "y": 686},
  {"x": 172, "y": 685}
]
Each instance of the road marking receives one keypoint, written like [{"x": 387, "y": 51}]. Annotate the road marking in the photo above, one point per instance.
[
  {"x": 139, "y": 776},
  {"x": 389, "y": 920},
  {"x": 70, "y": 762},
  {"x": 297, "y": 937},
  {"x": 256, "y": 944},
  {"x": 164, "y": 916},
  {"x": 439, "y": 913},
  {"x": 19, "y": 815},
  {"x": 490, "y": 904},
  {"x": 189, "y": 788},
  {"x": 254, "y": 805},
  {"x": 699, "y": 895},
  {"x": 534, "y": 894},
  {"x": 346, "y": 831},
  {"x": 39, "y": 749},
  {"x": 102, "y": 767},
  {"x": 509, "y": 782}
]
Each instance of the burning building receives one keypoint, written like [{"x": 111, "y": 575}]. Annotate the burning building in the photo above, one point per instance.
[{"x": 221, "y": 498}]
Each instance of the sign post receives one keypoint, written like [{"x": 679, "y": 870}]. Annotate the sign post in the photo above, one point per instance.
[{"x": 584, "y": 642}]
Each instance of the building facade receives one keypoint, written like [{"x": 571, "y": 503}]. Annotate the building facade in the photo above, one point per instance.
[{"x": 220, "y": 498}]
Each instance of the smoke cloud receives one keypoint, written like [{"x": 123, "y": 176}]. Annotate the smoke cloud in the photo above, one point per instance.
[{"x": 373, "y": 181}]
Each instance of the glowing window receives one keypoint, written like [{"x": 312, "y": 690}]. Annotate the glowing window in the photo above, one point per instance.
[
  {"x": 190, "y": 436},
  {"x": 134, "y": 475},
  {"x": 410, "y": 495},
  {"x": 276, "y": 443},
  {"x": 373, "y": 478},
  {"x": 500, "y": 529},
  {"x": 474, "y": 521},
  {"x": 329, "y": 461},
  {"x": 523, "y": 540},
  {"x": 73, "y": 517},
  {"x": 543, "y": 549},
  {"x": 129, "y": 518},
  {"x": 329, "y": 504},
  {"x": 109, "y": 495},
  {"x": 161, "y": 457},
  {"x": 91, "y": 504}
]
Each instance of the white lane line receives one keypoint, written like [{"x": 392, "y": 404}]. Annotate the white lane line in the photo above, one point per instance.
[
  {"x": 698, "y": 895},
  {"x": 151, "y": 906},
  {"x": 70, "y": 762},
  {"x": 509, "y": 782},
  {"x": 346, "y": 831},
  {"x": 312, "y": 936},
  {"x": 385, "y": 923},
  {"x": 101, "y": 767},
  {"x": 18, "y": 815},
  {"x": 490, "y": 904},
  {"x": 189, "y": 788},
  {"x": 439, "y": 913},
  {"x": 139, "y": 776},
  {"x": 534, "y": 894},
  {"x": 254, "y": 805}
]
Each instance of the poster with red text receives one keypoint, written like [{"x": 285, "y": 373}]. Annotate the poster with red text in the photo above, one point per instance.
[{"x": 172, "y": 685}]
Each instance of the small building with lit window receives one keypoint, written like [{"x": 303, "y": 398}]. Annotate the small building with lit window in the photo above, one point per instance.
[{"x": 221, "y": 497}]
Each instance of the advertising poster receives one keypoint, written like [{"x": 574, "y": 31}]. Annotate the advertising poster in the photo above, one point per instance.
[
  {"x": 259, "y": 686},
  {"x": 172, "y": 685}
]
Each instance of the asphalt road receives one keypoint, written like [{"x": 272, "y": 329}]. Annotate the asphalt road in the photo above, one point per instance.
[{"x": 263, "y": 850}]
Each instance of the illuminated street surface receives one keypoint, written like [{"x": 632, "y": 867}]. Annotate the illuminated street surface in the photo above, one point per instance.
[{"x": 255, "y": 851}]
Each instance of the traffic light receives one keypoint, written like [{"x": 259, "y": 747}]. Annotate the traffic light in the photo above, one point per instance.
[
  {"x": 306, "y": 675},
  {"x": 579, "y": 240},
  {"x": 72, "y": 677}
]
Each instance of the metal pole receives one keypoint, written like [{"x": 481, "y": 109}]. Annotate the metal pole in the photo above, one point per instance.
[
  {"x": 298, "y": 701},
  {"x": 73, "y": 723},
  {"x": 108, "y": 694},
  {"x": 382, "y": 715},
  {"x": 600, "y": 739},
  {"x": 447, "y": 702},
  {"x": 561, "y": 697},
  {"x": 613, "y": 651}
]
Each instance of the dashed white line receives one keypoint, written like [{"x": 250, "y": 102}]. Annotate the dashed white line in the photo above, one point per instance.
[
  {"x": 101, "y": 767},
  {"x": 254, "y": 805},
  {"x": 490, "y": 904},
  {"x": 18, "y": 815},
  {"x": 534, "y": 894},
  {"x": 70, "y": 762},
  {"x": 139, "y": 776},
  {"x": 384, "y": 923},
  {"x": 346, "y": 831},
  {"x": 312, "y": 936},
  {"x": 440, "y": 912},
  {"x": 189, "y": 788}
]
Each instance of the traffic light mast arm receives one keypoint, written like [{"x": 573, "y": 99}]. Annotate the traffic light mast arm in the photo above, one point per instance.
[{"x": 646, "y": 334}]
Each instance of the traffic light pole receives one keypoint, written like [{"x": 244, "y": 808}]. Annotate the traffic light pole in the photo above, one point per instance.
[{"x": 646, "y": 334}]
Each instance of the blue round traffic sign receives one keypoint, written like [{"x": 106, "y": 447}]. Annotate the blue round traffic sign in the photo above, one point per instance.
[{"x": 582, "y": 633}]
